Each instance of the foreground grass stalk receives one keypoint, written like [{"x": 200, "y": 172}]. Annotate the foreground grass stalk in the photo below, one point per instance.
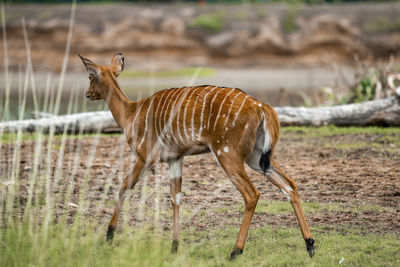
[
  {"x": 65, "y": 61},
  {"x": 6, "y": 108}
]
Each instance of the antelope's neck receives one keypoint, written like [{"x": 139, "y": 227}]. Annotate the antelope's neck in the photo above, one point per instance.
[{"x": 120, "y": 106}]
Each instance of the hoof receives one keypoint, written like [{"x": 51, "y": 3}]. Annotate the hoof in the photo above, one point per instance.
[
  {"x": 175, "y": 244},
  {"x": 110, "y": 233},
  {"x": 310, "y": 246},
  {"x": 236, "y": 252}
]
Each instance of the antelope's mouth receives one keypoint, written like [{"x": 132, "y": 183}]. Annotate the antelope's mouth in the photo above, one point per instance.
[{"x": 91, "y": 96}]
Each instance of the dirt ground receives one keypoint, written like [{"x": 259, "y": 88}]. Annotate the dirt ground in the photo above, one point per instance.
[{"x": 332, "y": 170}]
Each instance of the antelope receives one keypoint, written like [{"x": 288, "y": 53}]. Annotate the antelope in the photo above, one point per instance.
[{"x": 177, "y": 122}]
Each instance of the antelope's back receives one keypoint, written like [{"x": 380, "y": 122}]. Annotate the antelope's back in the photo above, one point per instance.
[{"x": 193, "y": 114}]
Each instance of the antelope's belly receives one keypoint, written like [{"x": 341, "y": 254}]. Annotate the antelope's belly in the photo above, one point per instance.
[{"x": 168, "y": 153}]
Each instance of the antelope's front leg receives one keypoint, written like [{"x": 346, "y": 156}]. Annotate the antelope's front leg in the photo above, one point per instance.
[
  {"x": 129, "y": 182},
  {"x": 175, "y": 174}
]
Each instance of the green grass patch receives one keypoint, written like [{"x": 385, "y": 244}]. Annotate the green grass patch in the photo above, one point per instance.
[
  {"x": 311, "y": 132},
  {"x": 183, "y": 72},
  {"x": 83, "y": 245},
  {"x": 289, "y": 23},
  {"x": 284, "y": 207},
  {"x": 210, "y": 22},
  {"x": 381, "y": 24}
]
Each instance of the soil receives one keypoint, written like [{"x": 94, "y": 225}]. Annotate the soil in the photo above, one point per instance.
[
  {"x": 175, "y": 35},
  {"x": 352, "y": 177}
]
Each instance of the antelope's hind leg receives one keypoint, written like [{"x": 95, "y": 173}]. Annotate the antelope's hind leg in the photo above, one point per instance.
[
  {"x": 175, "y": 174},
  {"x": 234, "y": 168},
  {"x": 288, "y": 187},
  {"x": 129, "y": 182}
]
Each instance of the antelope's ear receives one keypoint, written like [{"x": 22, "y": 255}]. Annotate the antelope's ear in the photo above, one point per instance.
[
  {"x": 117, "y": 64},
  {"x": 91, "y": 67}
]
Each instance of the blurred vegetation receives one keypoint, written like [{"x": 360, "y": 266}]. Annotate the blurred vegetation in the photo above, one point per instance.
[
  {"x": 183, "y": 72},
  {"x": 209, "y": 22},
  {"x": 289, "y": 24},
  {"x": 382, "y": 24},
  {"x": 370, "y": 82},
  {"x": 200, "y": 1}
]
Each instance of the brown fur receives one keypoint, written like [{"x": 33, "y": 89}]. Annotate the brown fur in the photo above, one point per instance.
[{"x": 177, "y": 122}]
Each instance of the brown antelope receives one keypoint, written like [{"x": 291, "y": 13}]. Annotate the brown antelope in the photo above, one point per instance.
[{"x": 177, "y": 122}]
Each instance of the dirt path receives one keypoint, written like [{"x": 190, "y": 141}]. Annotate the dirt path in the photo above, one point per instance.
[{"x": 354, "y": 179}]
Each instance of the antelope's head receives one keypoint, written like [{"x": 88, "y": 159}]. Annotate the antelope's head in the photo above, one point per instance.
[{"x": 102, "y": 78}]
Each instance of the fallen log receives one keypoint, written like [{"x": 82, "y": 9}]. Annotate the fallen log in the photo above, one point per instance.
[
  {"x": 382, "y": 112},
  {"x": 86, "y": 122}
]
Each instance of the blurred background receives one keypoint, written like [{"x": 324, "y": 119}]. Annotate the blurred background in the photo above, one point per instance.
[{"x": 293, "y": 52}]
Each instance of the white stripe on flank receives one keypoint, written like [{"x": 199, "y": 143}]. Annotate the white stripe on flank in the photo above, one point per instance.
[
  {"x": 181, "y": 101},
  {"x": 211, "y": 106},
  {"x": 162, "y": 115},
  {"x": 230, "y": 108},
  {"x": 172, "y": 116},
  {"x": 185, "y": 112},
  {"x": 240, "y": 109},
  {"x": 221, "y": 105},
  {"x": 202, "y": 110},
  {"x": 193, "y": 110},
  {"x": 146, "y": 123},
  {"x": 157, "y": 117}
]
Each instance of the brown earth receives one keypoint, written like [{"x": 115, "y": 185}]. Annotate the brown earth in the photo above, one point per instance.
[
  {"x": 352, "y": 177},
  {"x": 169, "y": 36}
]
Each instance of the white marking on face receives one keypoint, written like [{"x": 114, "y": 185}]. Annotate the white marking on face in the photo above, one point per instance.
[
  {"x": 218, "y": 152},
  {"x": 221, "y": 106},
  {"x": 175, "y": 169},
  {"x": 178, "y": 198},
  {"x": 202, "y": 110},
  {"x": 286, "y": 194},
  {"x": 218, "y": 142},
  {"x": 240, "y": 109},
  {"x": 226, "y": 149}
]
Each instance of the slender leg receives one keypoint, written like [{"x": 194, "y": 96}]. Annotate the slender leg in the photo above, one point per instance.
[
  {"x": 129, "y": 182},
  {"x": 175, "y": 173},
  {"x": 234, "y": 168},
  {"x": 288, "y": 187}
]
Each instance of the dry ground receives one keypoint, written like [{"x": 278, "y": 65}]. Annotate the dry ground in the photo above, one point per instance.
[{"x": 345, "y": 181}]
